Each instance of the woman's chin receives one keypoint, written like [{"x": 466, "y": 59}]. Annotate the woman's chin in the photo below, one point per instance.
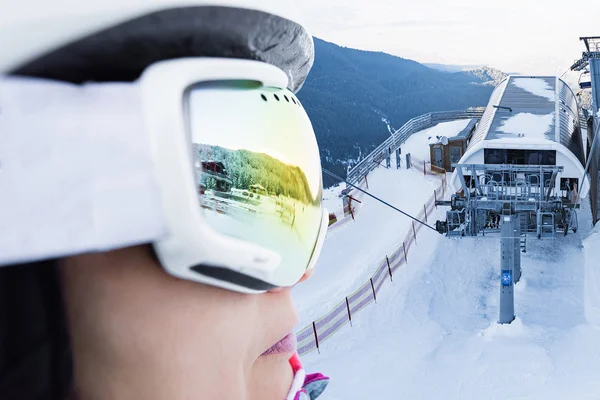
[{"x": 271, "y": 374}]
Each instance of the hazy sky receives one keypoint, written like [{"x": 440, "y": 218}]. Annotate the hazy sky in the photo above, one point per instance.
[{"x": 524, "y": 36}]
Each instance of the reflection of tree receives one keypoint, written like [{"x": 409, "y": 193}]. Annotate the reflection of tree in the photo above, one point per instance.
[{"x": 246, "y": 168}]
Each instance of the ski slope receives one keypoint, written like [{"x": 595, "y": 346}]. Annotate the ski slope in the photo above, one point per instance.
[
  {"x": 351, "y": 253},
  {"x": 433, "y": 333}
]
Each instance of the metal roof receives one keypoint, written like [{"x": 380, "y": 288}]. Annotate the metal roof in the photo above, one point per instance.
[
  {"x": 543, "y": 104},
  {"x": 464, "y": 134}
]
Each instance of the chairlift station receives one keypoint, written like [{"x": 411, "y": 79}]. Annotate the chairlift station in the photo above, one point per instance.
[{"x": 524, "y": 173}]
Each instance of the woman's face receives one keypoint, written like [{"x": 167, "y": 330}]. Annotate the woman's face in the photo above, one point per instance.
[{"x": 137, "y": 332}]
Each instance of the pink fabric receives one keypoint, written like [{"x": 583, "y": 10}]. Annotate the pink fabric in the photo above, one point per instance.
[{"x": 305, "y": 386}]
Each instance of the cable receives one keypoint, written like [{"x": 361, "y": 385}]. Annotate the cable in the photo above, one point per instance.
[{"x": 376, "y": 198}]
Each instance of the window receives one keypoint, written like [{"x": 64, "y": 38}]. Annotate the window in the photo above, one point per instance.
[
  {"x": 519, "y": 157},
  {"x": 494, "y": 156},
  {"x": 568, "y": 184},
  {"x": 569, "y": 188},
  {"x": 455, "y": 154}
]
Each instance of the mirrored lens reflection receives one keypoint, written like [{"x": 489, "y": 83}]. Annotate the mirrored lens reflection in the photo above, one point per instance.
[{"x": 260, "y": 189}]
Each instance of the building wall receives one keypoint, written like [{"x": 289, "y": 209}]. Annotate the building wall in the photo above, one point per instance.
[{"x": 446, "y": 161}]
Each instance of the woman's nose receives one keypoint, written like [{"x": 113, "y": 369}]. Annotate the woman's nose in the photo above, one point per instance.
[{"x": 305, "y": 277}]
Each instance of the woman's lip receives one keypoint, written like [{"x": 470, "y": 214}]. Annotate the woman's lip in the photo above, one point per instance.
[{"x": 286, "y": 345}]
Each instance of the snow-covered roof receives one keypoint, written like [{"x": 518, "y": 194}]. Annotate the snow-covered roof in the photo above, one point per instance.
[
  {"x": 532, "y": 111},
  {"x": 456, "y": 134}
]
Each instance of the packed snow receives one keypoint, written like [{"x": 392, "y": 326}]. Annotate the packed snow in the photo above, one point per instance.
[
  {"x": 331, "y": 199},
  {"x": 591, "y": 245},
  {"x": 417, "y": 145},
  {"x": 433, "y": 332},
  {"x": 532, "y": 126},
  {"x": 349, "y": 256},
  {"x": 537, "y": 86}
]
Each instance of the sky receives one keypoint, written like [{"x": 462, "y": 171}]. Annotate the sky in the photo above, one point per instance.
[{"x": 531, "y": 37}]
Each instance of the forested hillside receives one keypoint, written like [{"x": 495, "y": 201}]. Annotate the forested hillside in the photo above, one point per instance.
[{"x": 355, "y": 98}]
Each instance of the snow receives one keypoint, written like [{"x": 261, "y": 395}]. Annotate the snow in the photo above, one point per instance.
[
  {"x": 531, "y": 125},
  {"x": 592, "y": 284},
  {"x": 349, "y": 257},
  {"x": 331, "y": 200},
  {"x": 417, "y": 145},
  {"x": 537, "y": 86},
  {"x": 433, "y": 332}
]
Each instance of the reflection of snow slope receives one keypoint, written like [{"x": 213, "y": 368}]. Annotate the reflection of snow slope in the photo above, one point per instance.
[
  {"x": 433, "y": 333},
  {"x": 280, "y": 224}
]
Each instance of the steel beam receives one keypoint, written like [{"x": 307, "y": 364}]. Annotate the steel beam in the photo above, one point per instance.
[{"x": 507, "y": 262}]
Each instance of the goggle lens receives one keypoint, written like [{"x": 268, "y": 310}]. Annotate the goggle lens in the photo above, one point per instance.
[{"x": 257, "y": 169}]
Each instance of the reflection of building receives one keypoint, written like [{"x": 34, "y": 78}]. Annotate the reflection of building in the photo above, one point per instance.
[
  {"x": 214, "y": 176},
  {"x": 258, "y": 190}
]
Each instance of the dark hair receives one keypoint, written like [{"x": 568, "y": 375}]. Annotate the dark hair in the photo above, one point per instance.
[{"x": 35, "y": 357}]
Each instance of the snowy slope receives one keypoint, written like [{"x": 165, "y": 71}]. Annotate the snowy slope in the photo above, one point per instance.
[
  {"x": 352, "y": 253},
  {"x": 433, "y": 333},
  {"x": 591, "y": 246}
]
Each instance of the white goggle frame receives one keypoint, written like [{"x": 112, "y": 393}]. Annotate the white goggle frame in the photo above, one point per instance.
[{"x": 169, "y": 215}]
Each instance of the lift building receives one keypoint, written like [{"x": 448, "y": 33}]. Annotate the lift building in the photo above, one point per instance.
[
  {"x": 522, "y": 174},
  {"x": 532, "y": 121}
]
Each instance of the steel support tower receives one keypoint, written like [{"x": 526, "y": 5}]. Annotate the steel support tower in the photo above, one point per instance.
[{"x": 514, "y": 202}]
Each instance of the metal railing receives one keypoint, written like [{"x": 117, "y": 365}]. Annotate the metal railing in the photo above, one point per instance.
[{"x": 417, "y": 124}]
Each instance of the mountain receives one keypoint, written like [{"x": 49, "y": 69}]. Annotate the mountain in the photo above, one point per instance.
[
  {"x": 356, "y": 98},
  {"x": 489, "y": 76},
  {"x": 452, "y": 68}
]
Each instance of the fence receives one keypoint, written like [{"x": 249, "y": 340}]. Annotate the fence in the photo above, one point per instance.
[
  {"x": 427, "y": 167},
  {"x": 349, "y": 212},
  {"x": 417, "y": 124},
  {"x": 311, "y": 336}
]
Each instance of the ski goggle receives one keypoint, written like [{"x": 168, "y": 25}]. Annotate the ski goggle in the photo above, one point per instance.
[{"x": 211, "y": 160}]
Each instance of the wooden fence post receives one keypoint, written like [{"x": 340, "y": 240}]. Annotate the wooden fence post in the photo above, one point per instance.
[
  {"x": 425, "y": 209},
  {"x": 414, "y": 232},
  {"x": 389, "y": 268},
  {"x": 348, "y": 307},
  {"x": 316, "y": 337},
  {"x": 424, "y": 169},
  {"x": 373, "y": 287},
  {"x": 405, "y": 256}
]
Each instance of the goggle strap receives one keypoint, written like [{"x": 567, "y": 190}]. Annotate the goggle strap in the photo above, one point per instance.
[{"x": 73, "y": 179}]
